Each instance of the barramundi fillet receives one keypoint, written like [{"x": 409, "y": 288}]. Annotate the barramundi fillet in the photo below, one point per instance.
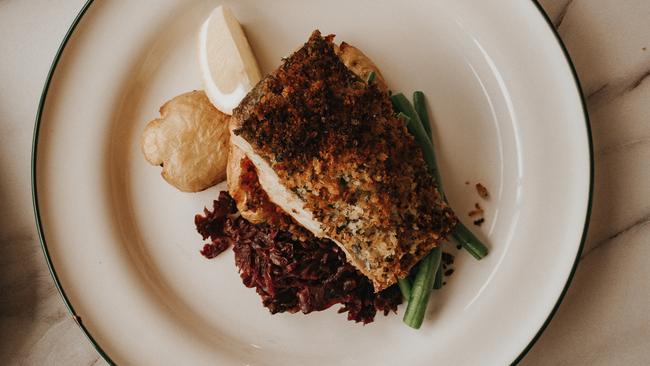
[{"x": 330, "y": 151}]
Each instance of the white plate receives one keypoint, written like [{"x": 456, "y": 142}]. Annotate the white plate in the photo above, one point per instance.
[{"x": 507, "y": 112}]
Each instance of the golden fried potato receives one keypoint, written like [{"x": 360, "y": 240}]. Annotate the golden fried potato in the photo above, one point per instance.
[
  {"x": 190, "y": 141},
  {"x": 359, "y": 63}
]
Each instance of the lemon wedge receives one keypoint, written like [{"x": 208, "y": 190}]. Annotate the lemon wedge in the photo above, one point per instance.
[{"x": 228, "y": 66}]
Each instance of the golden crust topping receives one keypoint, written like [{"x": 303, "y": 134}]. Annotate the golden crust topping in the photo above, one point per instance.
[{"x": 335, "y": 141}]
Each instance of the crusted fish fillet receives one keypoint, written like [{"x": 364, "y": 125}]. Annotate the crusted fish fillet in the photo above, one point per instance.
[{"x": 331, "y": 153}]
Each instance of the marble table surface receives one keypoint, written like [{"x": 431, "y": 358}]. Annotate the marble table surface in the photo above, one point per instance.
[{"x": 604, "y": 319}]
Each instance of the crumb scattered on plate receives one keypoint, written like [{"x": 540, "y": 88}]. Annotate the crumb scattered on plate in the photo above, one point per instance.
[
  {"x": 477, "y": 211},
  {"x": 482, "y": 191}
]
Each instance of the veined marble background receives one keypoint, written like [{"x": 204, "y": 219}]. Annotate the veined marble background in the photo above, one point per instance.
[{"x": 605, "y": 317}]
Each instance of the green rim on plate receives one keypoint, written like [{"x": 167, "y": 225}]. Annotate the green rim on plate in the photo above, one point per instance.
[
  {"x": 37, "y": 214},
  {"x": 78, "y": 320},
  {"x": 591, "y": 185}
]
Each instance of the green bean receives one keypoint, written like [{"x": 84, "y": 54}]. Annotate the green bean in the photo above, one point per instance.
[
  {"x": 421, "y": 289},
  {"x": 429, "y": 272},
  {"x": 405, "y": 288},
  {"x": 402, "y": 104},
  {"x": 469, "y": 241},
  {"x": 420, "y": 105},
  {"x": 437, "y": 282}
]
